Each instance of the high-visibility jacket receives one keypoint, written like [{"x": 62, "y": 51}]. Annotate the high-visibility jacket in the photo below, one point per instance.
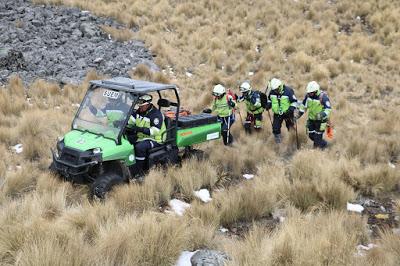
[
  {"x": 221, "y": 107},
  {"x": 153, "y": 122},
  {"x": 253, "y": 103},
  {"x": 283, "y": 100},
  {"x": 315, "y": 105}
]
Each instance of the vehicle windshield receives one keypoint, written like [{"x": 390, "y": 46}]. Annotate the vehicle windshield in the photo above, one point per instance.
[{"x": 103, "y": 112}]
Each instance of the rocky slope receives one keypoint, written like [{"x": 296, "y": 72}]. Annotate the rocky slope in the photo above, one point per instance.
[{"x": 61, "y": 44}]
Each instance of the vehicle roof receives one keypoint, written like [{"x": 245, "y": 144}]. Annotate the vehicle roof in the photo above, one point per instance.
[{"x": 132, "y": 85}]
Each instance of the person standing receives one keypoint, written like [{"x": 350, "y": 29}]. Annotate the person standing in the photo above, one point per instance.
[
  {"x": 223, "y": 106},
  {"x": 317, "y": 103},
  {"x": 283, "y": 102},
  {"x": 254, "y": 107}
]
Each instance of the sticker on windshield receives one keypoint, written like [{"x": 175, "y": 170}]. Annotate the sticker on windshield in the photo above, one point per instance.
[{"x": 111, "y": 94}]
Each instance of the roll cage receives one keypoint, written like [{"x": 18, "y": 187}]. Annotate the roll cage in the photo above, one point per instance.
[{"x": 136, "y": 88}]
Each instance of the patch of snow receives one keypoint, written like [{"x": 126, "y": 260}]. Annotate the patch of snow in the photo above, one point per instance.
[
  {"x": 392, "y": 165},
  {"x": 188, "y": 74},
  {"x": 178, "y": 206},
  {"x": 251, "y": 73},
  {"x": 223, "y": 229},
  {"x": 354, "y": 207},
  {"x": 184, "y": 258},
  {"x": 248, "y": 176},
  {"x": 85, "y": 12},
  {"x": 18, "y": 148},
  {"x": 203, "y": 195}
]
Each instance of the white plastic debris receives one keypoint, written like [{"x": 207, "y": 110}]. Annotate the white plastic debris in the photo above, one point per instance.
[
  {"x": 184, "y": 258},
  {"x": 188, "y": 74},
  {"x": 248, "y": 176},
  {"x": 361, "y": 249},
  {"x": 391, "y": 165},
  {"x": 223, "y": 229},
  {"x": 178, "y": 206},
  {"x": 18, "y": 148},
  {"x": 203, "y": 195},
  {"x": 354, "y": 207}
]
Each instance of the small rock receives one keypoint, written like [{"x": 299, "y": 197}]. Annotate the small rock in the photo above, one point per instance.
[{"x": 206, "y": 257}]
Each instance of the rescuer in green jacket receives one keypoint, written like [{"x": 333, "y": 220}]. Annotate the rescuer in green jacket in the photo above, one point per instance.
[
  {"x": 283, "y": 102},
  {"x": 254, "y": 107},
  {"x": 316, "y": 102}
]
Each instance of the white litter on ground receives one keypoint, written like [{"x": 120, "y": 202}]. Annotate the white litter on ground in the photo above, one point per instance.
[
  {"x": 223, "y": 229},
  {"x": 248, "y": 176},
  {"x": 354, "y": 207},
  {"x": 18, "y": 148},
  {"x": 361, "y": 249},
  {"x": 184, "y": 258},
  {"x": 392, "y": 165},
  {"x": 203, "y": 195},
  {"x": 189, "y": 75},
  {"x": 178, "y": 206}
]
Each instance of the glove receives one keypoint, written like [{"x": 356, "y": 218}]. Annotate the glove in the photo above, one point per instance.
[
  {"x": 321, "y": 116},
  {"x": 207, "y": 111},
  {"x": 291, "y": 111},
  {"x": 299, "y": 114},
  {"x": 139, "y": 129}
]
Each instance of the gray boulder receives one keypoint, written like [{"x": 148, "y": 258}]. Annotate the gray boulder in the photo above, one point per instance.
[{"x": 206, "y": 257}]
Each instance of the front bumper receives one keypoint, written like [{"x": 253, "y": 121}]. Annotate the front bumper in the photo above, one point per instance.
[{"x": 75, "y": 165}]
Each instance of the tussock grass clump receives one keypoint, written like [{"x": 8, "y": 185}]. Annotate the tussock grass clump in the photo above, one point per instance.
[
  {"x": 12, "y": 98},
  {"x": 3, "y": 162},
  {"x": 121, "y": 35},
  {"x": 34, "y": 131},
  {"x": 20, "y": 182},
  {"x": 245, "y": 203},
  {"x": 142, "y": 71},
  {"x": 154, "y": 192},
  {"x": 302, "y": 240},
  {"x": 314, "y": 183},
  {"x": 152, "y": 239},
  {"x": 191, "y": 176}
]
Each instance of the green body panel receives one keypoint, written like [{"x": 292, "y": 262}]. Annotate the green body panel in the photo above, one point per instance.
[
  {"x": 110, "y": 150},
  {"x": 189, "y": 136}
]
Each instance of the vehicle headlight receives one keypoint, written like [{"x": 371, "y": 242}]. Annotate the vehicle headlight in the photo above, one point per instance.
[
  {"x": 96, "y": 150},
  {"x": 60, "y": 145}
]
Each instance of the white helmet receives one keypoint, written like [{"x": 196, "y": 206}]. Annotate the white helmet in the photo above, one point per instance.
[
  {"x": 218, "y": 90},
  {"x": 312, "y": 86},
  {"x": 245, "y": 87},
  {"x": 275, "y": 83},
  {"x": 145, "y": 99}
]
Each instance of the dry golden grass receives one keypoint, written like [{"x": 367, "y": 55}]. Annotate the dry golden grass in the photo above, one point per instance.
[
  {"x": 355, "y": 59},
  {"x": 121, "y": 35},
  {"x": 324, "y": 239}
]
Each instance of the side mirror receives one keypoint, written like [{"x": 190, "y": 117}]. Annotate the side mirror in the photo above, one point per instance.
[{"x": 163, "y": 103}]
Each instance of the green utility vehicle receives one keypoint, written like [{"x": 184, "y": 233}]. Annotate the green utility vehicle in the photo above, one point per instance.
[{"x": 98, "y": 149}]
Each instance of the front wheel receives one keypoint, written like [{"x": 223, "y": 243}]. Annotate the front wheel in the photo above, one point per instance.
[{"x": 103, "y": 184}]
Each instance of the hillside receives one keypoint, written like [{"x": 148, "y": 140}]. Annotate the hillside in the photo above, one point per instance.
[{"x": 293, "y": 212}]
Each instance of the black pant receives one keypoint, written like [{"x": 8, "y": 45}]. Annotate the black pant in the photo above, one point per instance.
[
  {"x": 141, "y": 150},
  {"x": 277, "y": 123},
  {"x": 226, "y": 123},
  {"x": 315, "y": 134}
]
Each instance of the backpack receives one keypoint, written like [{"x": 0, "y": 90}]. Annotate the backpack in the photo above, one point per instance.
[{"x": 263, "y": 98}]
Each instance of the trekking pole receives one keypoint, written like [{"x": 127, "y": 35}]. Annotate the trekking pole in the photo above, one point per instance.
[
  {"x": 269, "y": 116},
  {"x": 297, "y": 136},
  {"x": 229, "y": 128}
]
